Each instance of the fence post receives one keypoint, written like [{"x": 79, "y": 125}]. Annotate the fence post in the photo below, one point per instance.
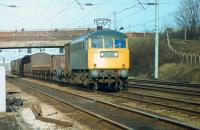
[
  {"x": 195, "y": 59},
  {"x": 186, "y": 57},
  {"x": 183, "y": 57},
  {"x": 191, "y": 57},
  {"x": 199, "y": 59},
  {"x": 179, "y": 55}
]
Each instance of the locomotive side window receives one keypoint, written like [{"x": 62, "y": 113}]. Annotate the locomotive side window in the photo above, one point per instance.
[
  {"x": 97, "y": 42},
  {"x": 82, "y": 45},
  {"x": 120, "y": 43},
  {"x": 108, "y": 42}
]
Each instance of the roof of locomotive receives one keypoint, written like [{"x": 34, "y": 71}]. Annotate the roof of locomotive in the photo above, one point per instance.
[
  {"x": 107, "y": 33},
  {"x": 100, "y": 33}
]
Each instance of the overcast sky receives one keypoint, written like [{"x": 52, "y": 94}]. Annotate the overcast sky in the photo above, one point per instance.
[{"x": 49, "y": 14}]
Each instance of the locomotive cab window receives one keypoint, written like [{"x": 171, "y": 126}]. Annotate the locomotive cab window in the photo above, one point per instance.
[
  {"x": 97, "y": 42},
  {"x": 108, "y": 42},
  {"x": 120, "y": 43}
]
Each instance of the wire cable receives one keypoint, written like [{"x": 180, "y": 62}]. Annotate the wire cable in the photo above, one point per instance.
[
  {"x": 86, "y": 16},
  {"x": 80, "y": 5},
  {"x": 42, "y": 13},
  {"x": 57, "y": 14}
]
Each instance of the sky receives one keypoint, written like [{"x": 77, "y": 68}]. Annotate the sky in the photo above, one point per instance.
[
  {"x": 50, "y": 14},
  {"x": 60, "y": 14}
]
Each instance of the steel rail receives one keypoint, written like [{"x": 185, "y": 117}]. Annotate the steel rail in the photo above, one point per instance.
[{"x": 164, "y": 119}]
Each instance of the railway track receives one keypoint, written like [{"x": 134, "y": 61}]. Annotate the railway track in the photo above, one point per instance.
[
  {"x": 181, "y": 84},
  {"x": 177, "y": 105},
  {"x": 191, "y": 87},
  {"x": 117, "y": 115},
  {"x": 164, "y": 88}
]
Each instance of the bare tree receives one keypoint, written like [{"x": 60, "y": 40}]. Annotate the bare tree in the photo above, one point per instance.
[{"x": 188, "y": 17}]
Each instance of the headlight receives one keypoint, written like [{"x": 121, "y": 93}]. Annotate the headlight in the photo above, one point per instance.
[
  {"x": 124, "y": 73},
  {"x": 116, "y": 54},
  {"x": 101, "y": 54},
  {"x": 94, "y": 74}
]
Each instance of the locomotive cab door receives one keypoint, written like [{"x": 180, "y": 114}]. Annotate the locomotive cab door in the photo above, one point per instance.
[{"x": 67, "y": 58}]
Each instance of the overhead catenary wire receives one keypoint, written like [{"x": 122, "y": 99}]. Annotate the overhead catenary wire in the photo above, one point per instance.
[
  {"x": 141, "y": 4},
  {"x": 107, "y": 4},
  {"x": 93, "y": 10},
  {"x": 130, "y": 7},
  {"x": 11, "y": 6},
  {"x": 79, "y": 4},
  {"x": 38, "y": 18},
  {"x": 131, "y": 14},
  {"x": 55, "y": 15},
  {"x": 127, "y": 8}
]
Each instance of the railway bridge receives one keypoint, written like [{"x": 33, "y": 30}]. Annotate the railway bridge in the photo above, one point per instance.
[{"x": 38, "y": 38}]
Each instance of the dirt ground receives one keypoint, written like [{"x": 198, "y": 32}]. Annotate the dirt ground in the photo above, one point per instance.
[{"x": 27, "y": 118}]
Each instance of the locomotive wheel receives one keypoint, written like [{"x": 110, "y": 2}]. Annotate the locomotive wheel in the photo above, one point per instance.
[
  {"x": 95, "y": 87},
  {"x": 115, "y": 88},
  {"x": 118, "y": 86},
  {"x": 124, "y": 85}
]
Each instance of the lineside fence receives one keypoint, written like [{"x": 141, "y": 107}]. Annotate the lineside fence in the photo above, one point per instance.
[{"x": 185, "y": 57}]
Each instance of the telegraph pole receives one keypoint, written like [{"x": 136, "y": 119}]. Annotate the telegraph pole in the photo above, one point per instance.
[{"x": 156, "y": 40}]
